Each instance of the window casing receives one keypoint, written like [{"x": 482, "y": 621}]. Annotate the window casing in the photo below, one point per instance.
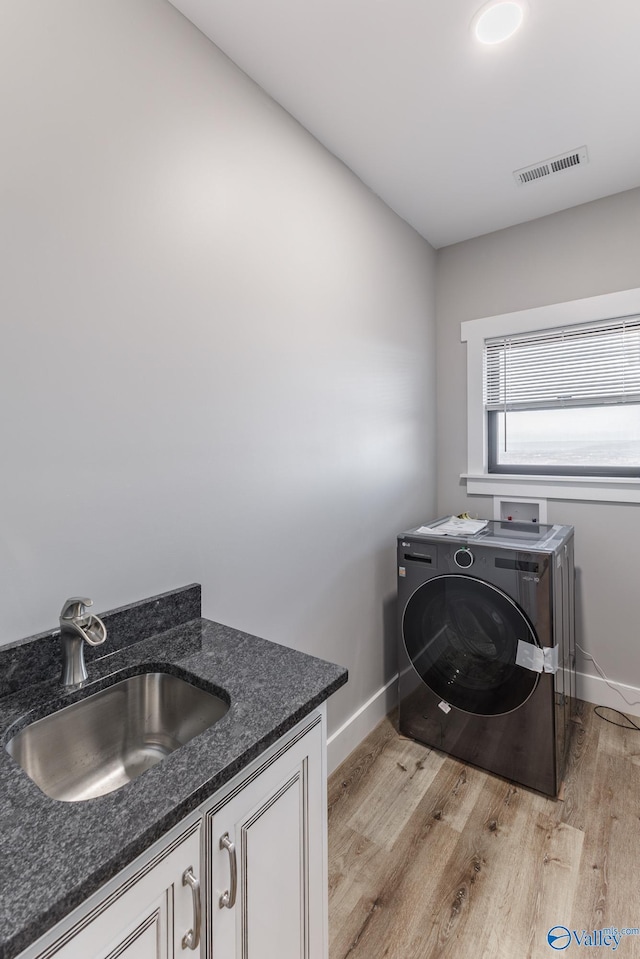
[{"x": 530, "y": 483}]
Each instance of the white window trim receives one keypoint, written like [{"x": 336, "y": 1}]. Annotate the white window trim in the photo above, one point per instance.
[{"x": 612, "y": 489}]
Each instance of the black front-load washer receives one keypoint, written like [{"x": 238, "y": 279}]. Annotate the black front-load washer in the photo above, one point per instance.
[{"x": 486, "y": 657}]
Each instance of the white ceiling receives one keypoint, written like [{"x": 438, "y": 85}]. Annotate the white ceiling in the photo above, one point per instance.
[{"x": 434, "y": 123}]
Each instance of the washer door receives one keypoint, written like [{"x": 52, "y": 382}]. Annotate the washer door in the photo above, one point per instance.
[{"x": 461, "y": 635}]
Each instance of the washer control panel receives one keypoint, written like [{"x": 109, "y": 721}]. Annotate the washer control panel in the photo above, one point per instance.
[{"x": 463, "y": 558}]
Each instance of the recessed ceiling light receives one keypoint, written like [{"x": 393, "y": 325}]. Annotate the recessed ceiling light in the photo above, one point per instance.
[{"x": 498, "y": 20}]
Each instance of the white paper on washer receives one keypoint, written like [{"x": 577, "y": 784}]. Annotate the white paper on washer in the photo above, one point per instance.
[{"x": 454, "y": 526}]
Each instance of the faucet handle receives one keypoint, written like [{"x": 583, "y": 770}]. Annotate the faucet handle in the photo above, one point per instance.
[{"x": 75, "y": 607}]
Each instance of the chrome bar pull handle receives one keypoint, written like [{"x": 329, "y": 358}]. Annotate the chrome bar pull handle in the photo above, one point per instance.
[
  {"x": 191, "y": 939},
  {"x": 228, "y": 898}
]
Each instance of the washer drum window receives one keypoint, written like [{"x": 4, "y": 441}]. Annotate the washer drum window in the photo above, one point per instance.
[{"x": 461, "y": 635}]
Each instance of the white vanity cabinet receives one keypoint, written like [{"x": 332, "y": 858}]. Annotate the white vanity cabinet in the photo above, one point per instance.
[{"x": 252, "y": 860}]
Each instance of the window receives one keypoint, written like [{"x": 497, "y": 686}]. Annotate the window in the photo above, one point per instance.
[
  {"x": 565, "y": 401},
  {"x": 552, "y": 419}
]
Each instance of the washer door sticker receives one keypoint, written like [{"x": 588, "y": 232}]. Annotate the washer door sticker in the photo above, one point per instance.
[
  {"x": 551, "y": 659},
  {"x": 536, "y": 659},
  {"x": 530, "y": 656}
]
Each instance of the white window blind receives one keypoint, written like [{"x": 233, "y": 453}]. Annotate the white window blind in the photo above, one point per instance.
[{"x": 592, "y": 364}]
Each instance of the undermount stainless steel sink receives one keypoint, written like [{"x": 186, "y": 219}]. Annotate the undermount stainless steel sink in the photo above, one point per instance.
[{"x": 100, "y": 743}]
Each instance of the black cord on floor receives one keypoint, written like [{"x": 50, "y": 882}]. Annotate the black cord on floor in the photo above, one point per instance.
[{"x": 629, "y": 724}]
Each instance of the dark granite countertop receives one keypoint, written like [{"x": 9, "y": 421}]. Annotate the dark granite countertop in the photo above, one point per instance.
[{"x": 55, "y": 854}]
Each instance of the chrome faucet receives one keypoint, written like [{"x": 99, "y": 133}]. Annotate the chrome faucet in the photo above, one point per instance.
[{"x": 77, "y": 627}]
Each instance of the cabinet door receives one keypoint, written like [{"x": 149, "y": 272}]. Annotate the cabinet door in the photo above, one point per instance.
[
  {"x": 144, "y": 918},
  {"x": 271, "y": 831}
]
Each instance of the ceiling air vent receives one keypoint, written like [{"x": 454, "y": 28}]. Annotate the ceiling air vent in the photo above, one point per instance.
[{"x": 549, "y": 167}]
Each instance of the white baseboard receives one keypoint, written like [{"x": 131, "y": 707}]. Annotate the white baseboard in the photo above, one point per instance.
[
  {"x": 593, "y": 689},
  {"x": 345, "y": 739}
]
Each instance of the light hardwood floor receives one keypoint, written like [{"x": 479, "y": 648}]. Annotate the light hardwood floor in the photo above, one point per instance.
[{"x": 431, "y": 858}]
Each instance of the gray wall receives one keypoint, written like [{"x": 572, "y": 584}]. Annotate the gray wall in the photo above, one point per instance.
[
  {"x": 217, "y": 357},
  {"x": 586, "y": 251}
]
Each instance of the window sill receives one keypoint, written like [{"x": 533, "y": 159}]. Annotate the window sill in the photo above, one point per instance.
[{"x": 606, "y": 489}]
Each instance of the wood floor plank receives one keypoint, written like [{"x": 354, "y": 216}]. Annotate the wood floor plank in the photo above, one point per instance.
[
  {"x": 556, "y": 880},
  {"x": 353, "y": 877},
  {"x": 400, "y": 873},
  {"x": 608, "y": 889},
  {"x": 537, "y": 881},
  {"x": 352, "y": 858},
  {"x": 618, "y": 741},
  {"x": 447, "y": 860},
  {"x": 461, "y": 789},
  {"x": 581, "y": 770},
  {"x": 465, "y": 888},
  {"x": 404, "y": 773},
  {"x": 408, "y": 879},
  {"x": 351, "y": 779}
]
